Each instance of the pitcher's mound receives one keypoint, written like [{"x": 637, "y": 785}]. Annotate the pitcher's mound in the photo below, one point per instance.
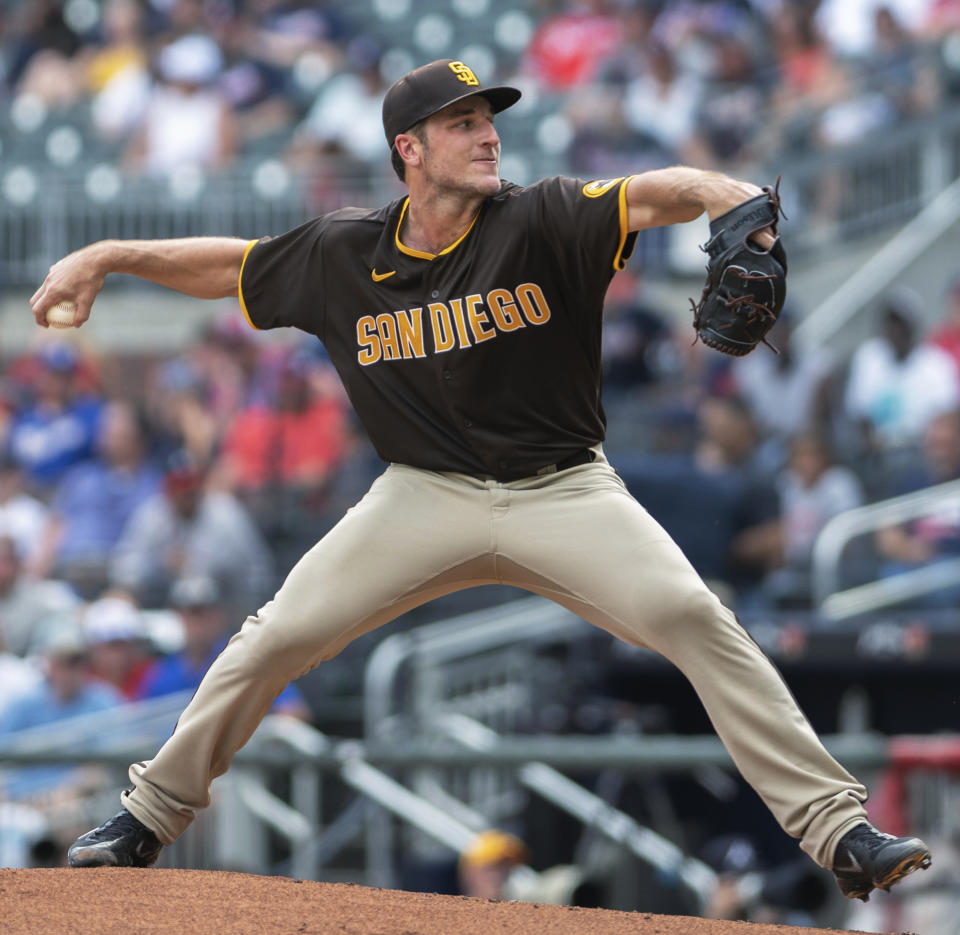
[{"x": 123, "y": 901}]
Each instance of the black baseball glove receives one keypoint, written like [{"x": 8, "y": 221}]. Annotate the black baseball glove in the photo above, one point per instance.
[{"x": 746, "y": 285}]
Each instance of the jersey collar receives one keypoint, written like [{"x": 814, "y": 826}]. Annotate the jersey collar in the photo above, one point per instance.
[{"x": 420, "y": 254}]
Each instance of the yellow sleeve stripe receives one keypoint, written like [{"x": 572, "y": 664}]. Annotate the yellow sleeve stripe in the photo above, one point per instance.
[
  {"x": 618, "y": 261},
  {"x": 243, "y": 304}
]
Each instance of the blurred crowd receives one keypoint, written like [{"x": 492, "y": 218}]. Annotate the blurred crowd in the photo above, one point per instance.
[
  {"x": 745, "y": 460},
  {"x": 637, "y": 83},
  {"x": 146, "y": 508}
]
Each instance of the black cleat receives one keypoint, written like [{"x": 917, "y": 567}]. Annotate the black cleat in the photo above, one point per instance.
[
  {"x": 867, "y": 859},
  {"x": 123, "y": 841}
]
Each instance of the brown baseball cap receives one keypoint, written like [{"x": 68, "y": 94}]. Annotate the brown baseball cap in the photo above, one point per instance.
[{"x": 425, "y": 90}]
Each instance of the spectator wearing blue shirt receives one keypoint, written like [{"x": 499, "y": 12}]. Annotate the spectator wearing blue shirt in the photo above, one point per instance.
[
  {"x": 94, "y": 500},
  {"x": 198, "y": 601},
  {"x": 58, "y": 427},
  {"x": 67, "y": 691}
]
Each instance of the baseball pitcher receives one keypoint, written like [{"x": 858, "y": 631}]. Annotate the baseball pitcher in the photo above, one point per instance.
[{"x": 465, "y": 323}]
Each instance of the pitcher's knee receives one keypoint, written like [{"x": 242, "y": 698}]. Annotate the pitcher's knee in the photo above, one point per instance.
[
  {"x": 688, "y": 612},
  {"x": 294, "y": 643}
]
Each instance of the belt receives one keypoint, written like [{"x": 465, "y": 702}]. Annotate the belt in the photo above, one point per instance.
[{"x": 583, "y": 456}]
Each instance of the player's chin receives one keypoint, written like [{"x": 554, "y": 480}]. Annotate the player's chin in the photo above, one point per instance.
[{"x": 487, "y": 176}]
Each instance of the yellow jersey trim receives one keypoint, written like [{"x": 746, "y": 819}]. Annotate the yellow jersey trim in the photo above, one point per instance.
[
  {"x": 618, "y": 261},
  {"x": 421, "y": 254},
  {"x": 243, "y": 305}
]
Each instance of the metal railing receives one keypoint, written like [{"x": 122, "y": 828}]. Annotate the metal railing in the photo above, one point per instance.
[
  {"x": 242, "y": 798},
  {"x": 884, "y": 267},
  {"x": 837, "y": 604},
  {"x": 590, "y": 809}
]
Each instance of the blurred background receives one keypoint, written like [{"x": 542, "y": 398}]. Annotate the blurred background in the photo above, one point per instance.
[{"x": 162, "y": 469}]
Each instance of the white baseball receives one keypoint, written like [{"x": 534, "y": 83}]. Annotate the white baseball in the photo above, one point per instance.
[{"x": 61, "y": 315}]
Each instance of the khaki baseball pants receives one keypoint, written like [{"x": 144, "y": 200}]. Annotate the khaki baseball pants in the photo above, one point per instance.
[{"x": 577, "y": 537}]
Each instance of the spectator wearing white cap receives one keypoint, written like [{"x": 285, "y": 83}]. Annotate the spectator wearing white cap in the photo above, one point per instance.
[
  {"x": 117, "y": 641},
  {"x": 188, "y": 121},
  {"x": 898, "y": 382},
  {"x": 199, "y": 602}
]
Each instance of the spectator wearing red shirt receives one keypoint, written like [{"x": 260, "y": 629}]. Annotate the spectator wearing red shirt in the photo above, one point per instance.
[
  {"x": 568, "y": 48},
  {"x": 294, "y": 440},
  {"x": 116, "y": 637},
  {"x": 946, "y": 335}
]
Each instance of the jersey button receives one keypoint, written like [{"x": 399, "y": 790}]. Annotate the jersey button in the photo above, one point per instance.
[
  {"x": 468, "y": 423},
  {"x": 434, "y": 294},
  {"x": 447, "y": 374},
  {"x": 503, "y": 464}
]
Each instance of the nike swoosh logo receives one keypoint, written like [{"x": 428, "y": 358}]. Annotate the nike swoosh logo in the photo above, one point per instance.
[{"x": 379, "y": 277}]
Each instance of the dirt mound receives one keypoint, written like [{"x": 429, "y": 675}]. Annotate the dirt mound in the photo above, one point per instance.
[{"x": 121, "y": 901}]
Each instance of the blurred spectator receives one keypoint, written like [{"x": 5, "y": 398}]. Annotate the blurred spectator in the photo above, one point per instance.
[
  {"x": 569, "y": 46},
  {"x": 286, "y": 32},
  {"x": 732, "y": 106},
  {"x": 94, "y": 501},
  {"x": 206, "y": 628},
  {"x": 946, "y": 335},
  {"x": 717, "y": 501},
  {"x": 179, "y": 409},
  {"x": 813, "y": 489},
  {"x": 117, "y": 70},
  {"x": 22, "y": 517},
  {"x": 281, "y": 456},
  {"x": 67, "y": 690},
  {"x": 662, "y": 104},
  {"x": 345, "y": 118},
  {"x": 729, "y": 446},
  {"x": 17, "y": 677},
  {"x": 633, "y": 332},
  {"x": 187, "y": 122},
  {"x": 943, "y": 16},
  {"x": 293, "y": 441},
  {"x": 189, "y": 528},
  {"x": 809, "y": 78},
  {"x": 257, "y": 90},
  {"x": 787, "y": 393},
  {"x": 229, "y": 360},
  {"x": 898, "y": 65},
  {"x": 897, "y": 384},
  {"x": 194, "y": 396},
  {"x": 850, "y": 23},
  {"x": 930, "y": 538},
  {"x": 485, "y": 865},
  {"x": 25, "y": 602},
  {"x": 117, "y": 641},
  {"x": 41, "y": 54},
  {"x": 749, "y": 890},
  {"x": 57, "y": 427}
]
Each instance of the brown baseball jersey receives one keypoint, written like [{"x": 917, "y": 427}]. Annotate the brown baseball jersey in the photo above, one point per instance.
[{"x": 484, "y": 358}]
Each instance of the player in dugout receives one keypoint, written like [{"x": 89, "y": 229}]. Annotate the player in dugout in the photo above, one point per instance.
[{"x": 465, "y": 323}]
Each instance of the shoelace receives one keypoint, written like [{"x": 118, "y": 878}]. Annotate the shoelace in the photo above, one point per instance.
[{"x": 123, "y": 822}]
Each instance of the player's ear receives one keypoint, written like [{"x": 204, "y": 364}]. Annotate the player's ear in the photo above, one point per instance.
[{"x": 410, "y": 149}]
